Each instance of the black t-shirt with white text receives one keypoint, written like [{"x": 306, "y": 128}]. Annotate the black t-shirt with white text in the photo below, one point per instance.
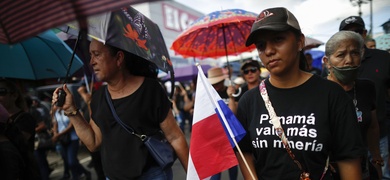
[{"x": 319, "y": 120}]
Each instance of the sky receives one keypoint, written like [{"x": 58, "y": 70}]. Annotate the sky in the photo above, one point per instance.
[{"x": 319, "y": 19}]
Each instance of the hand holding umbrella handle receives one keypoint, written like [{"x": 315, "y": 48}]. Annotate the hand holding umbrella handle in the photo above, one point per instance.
[
  {"x": 61, "y": 93},
  {"x": 232, "y": 84},
  {"x": 238, "y": 93},
  {"x": 61, "y": 98}
]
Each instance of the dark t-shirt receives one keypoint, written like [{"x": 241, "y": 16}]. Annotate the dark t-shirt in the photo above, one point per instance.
[
  {"x": 376, "y": 67},
  {"x": 224, "y": 96},
  {"x": 364, "y": 93},
  {"x": 124, "y": 156},
  {"x": 11, "y": 162},
  {"x": 318, "y": 118},
  {"x": 315, "y": 71},
  {"x": 26, "y": 123},
  {"x": 179, "y": 100},
  {"x": 365, "y": 96},
  {"x": 244, "y": 88}
]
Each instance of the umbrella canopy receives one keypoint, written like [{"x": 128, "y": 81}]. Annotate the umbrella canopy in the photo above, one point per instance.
[
  {"x": 311, "y": 43},
  {"x": 81, "y": 51},
  {"x": 217, "y": 34},
  {"x": 383, "y": 42},
  {"x": 129, "y": 30},
  {"x": 22, "y": 19},
  {"x": 317, "y": 57},
  {"x": 187, "y": 73},
  {"x": 41, "y": 57}
]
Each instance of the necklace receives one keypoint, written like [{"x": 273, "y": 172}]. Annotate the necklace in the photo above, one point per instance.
[{"x": 358, "y": 113}]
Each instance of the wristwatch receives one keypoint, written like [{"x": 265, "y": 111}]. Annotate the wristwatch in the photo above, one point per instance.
[
  {"x": 379, "y": 162},
  {"x": 71, "y": 113}
]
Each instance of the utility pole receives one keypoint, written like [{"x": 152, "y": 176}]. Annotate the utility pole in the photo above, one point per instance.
[
  {"x": 371, "y": 21},
  {"x": 359, "y": 4}
]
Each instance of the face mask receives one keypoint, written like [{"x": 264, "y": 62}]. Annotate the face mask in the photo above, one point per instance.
[{"x": 345, "y": 74}]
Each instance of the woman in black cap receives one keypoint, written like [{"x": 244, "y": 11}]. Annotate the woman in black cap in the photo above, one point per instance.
[{"x": 295, "y": 121}]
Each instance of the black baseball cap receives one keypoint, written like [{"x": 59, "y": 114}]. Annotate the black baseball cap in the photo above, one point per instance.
[
  {"x": 250, "y": 63},
  {"x": 276, "y": 19},
  {"x": 357, "y": 20}
]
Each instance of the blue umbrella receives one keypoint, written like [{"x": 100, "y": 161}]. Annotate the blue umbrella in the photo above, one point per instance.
[
  {"x": 41, "y": 57},
  {"x": 317, "y": 57}
]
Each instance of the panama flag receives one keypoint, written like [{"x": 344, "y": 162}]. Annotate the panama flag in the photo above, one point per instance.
[{"x": 213, "y": 129}]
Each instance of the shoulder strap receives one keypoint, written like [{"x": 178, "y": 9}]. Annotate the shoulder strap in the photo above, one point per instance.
[
  {"x": 116, "y": 117},
  {"x": 13, "y": 120},
  {"x": 276, "y": 123}
]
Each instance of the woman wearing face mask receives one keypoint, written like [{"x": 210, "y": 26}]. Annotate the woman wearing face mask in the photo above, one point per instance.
[{"x": 343, "y": 54}]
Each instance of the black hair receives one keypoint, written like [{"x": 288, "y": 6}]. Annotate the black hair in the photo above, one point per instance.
[
  {"x": 29, "y": 101},
  {"x": 302, "y": 58},
  {"x": 11, "y": 86},
  {"x": 302, "y": 61},
  {"x": 135, "y": 64}
]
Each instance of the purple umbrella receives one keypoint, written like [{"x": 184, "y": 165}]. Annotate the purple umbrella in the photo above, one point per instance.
[{"x": 187, "y": 73}]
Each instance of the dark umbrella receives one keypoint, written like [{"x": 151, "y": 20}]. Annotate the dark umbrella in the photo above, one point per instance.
[
  {"x": 21, "y": 19},
  {"x": 312, "y": 43},
  {"x": 129, "y": 30},
  {"x": 81, "y": 52}
]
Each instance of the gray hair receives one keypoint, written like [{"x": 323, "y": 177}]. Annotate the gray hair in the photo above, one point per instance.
[{"x": 335, "y": 41}]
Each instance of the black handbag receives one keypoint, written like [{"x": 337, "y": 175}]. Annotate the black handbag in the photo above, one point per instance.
[
  {"x": 160, "y": 149},
  {"x": 64, "y": 139},
  {"x": 158, "y": 146}
]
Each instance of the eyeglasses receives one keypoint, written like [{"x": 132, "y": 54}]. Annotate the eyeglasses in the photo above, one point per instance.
[
  {"x": 252, "y": 70},
  {"x": 4, "y": 91}
]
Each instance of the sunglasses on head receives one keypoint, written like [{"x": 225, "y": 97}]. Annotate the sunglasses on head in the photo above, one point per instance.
[
  {"x": 4, "y": 91},
  {"x": 252, "y": 70}
]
